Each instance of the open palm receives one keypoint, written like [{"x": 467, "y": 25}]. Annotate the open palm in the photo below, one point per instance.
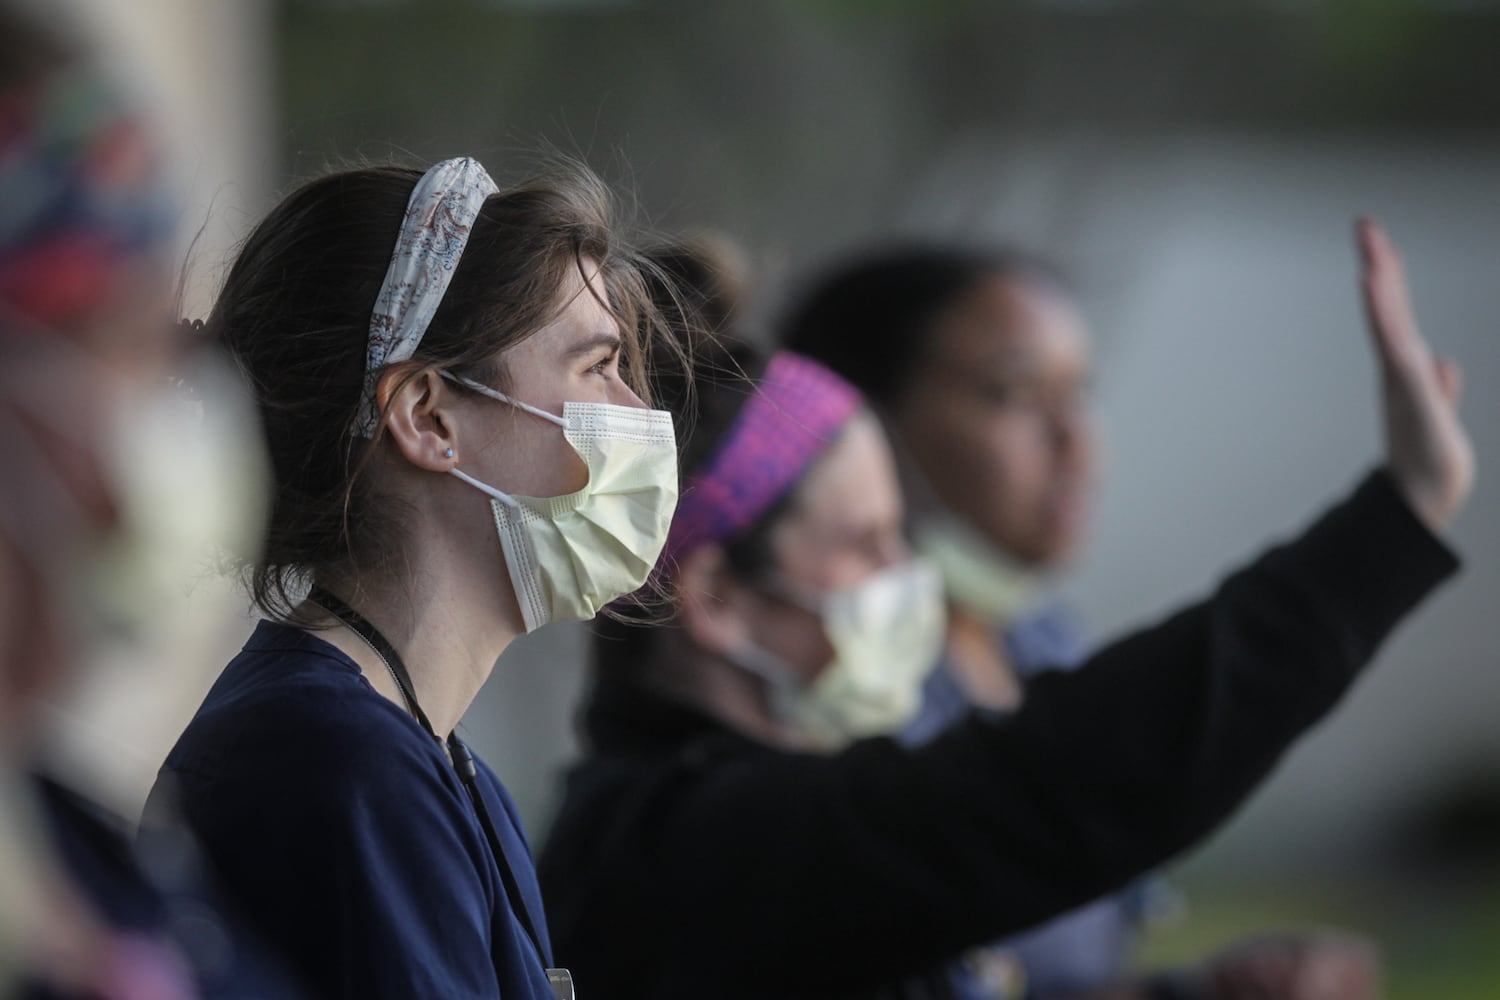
[{"x": 1427, "y": 448}]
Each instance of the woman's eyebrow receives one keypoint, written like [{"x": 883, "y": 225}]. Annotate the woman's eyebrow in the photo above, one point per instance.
[{"x": 608, "y": 339}]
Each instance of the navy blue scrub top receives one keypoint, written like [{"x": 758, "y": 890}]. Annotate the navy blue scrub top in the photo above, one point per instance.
[{"x": 343, "y": 832}]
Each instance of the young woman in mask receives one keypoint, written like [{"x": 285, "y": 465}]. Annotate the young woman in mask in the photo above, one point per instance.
[
  {"x": 716, "y": 839},
  {"x": 979, "y": 362},
  {"x": 446, "y": 372}
]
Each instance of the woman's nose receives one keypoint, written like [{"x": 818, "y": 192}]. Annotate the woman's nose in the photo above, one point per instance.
[{"x": 623, "y": 395}]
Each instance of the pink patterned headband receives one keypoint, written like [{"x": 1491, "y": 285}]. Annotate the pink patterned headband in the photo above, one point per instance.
[
  {"x": 434, "y": 231},
  {"x": 794, "y": 413}
]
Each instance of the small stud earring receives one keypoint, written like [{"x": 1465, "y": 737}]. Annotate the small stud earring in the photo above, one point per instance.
[{"x": 448, "y": 453}]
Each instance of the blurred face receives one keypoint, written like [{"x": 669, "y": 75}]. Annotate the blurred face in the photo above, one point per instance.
[
  {"x": 997, "y": 419},
  {"x": 65, "y": 397},
  {"x": 844, "y": 526}
]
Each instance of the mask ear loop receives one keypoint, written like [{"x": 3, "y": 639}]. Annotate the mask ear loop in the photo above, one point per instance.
[
  {"x": 761, "y": 663},
  {"x": 775, "y": 585},
  {"x": 485, "y": 390},
  {"x": 504, "y": 498}
]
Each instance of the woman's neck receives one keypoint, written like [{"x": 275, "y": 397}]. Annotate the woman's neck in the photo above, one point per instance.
[
  {"x": 978, "y": 661},
  {"x": 446, "y": 629}
]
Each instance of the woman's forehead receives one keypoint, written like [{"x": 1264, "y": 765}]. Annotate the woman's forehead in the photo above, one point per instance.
[
  {"x": 1004, "y": 321},
  {"x": 853, "y": 484},
  {"x": 583, "y": 322}
]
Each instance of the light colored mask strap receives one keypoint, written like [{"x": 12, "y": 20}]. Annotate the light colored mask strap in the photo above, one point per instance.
[
  {"x": 504, "y": 498},
  {"x": 485, "y": 390},
  {"x": 762, "y": 663},
  {"x": 434, "y": 232}
]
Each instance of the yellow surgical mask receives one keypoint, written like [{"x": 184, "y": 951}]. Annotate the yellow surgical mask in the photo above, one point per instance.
[
  {"x": 977, "y": 576},
  {"x": 887, "y": 634},
  {"x": 571, "y": 555}
]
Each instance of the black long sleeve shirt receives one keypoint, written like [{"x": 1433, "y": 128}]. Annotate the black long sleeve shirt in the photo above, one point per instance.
[{"x": 689, "y": 860}]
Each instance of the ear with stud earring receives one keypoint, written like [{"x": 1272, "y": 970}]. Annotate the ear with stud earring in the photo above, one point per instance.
[{"x": 448, "y": 453}]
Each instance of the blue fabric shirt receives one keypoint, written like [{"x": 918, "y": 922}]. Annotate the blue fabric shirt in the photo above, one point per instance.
[
  {"x": 345, "y": 834},
  {"x": 168, "y": 917},
  {"x": 1079, "y": 951}
]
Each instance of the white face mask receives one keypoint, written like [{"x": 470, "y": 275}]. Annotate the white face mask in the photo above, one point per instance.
[
  {"x": 887, "y": 634},
  {"x": 148, "y": 615},
  {"x": 571, "y": 555},
  {"x": 977, "y": 576}
]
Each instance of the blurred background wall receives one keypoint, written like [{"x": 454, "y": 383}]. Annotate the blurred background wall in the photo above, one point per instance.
[{"x": 1195, "y": 167}]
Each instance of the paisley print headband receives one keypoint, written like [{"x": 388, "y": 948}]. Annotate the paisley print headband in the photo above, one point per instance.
[{"x": 439, "y": 216}]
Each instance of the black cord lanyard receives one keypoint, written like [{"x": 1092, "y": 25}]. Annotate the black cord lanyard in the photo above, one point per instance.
[{"x": 463, "y": 760}]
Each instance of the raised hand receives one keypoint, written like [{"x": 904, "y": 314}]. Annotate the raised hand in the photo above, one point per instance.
[{"x": 1427, "y": 448}]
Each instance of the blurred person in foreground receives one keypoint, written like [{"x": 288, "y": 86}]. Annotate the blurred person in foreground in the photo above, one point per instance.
[
  {"x": 116, "y": 489},
  {"x": 723, "y": 837},
  {"x": 979, "y": 363}
]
